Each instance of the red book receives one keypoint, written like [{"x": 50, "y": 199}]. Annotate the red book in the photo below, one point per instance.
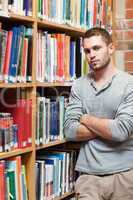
[
  {"x": 28, "y": 119},
  {"x": 95, "y": 13},
  {"x": 67, "y": 59},
  {"x": 60, "y": 66},
  {"x": 109, "y": 12},
  {"x": 2, "y": 180},
  {"x": 17, "y": 111},
  {"x": 103, "y": 13},
  {"x": 21, "y": 111}
]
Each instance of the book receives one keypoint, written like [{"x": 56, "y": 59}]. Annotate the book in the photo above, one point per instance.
[
  {"x": 10, "y": 175},
  {"x": 2, "y": 180}
]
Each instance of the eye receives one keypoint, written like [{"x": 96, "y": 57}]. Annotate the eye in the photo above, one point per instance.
[
  {"x": 87, "y": 51},
  {"x": 96, "y": 48}
]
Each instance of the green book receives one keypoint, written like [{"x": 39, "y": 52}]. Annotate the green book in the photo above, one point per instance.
[{"x": 10, "y": 175}]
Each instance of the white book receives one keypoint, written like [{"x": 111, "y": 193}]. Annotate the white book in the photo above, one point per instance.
[{"x": 52, "y": 58}]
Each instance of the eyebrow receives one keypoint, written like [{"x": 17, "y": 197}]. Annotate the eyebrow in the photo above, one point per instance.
[{"x": 87, "y": 50}]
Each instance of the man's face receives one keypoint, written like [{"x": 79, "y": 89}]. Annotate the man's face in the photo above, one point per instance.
[{"x": 98, "y": 53}]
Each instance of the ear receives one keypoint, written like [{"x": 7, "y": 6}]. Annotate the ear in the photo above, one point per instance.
[{"x": 111, "y": 48}]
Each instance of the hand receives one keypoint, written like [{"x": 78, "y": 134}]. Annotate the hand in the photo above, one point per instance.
[{"x": 84, "y": 119}]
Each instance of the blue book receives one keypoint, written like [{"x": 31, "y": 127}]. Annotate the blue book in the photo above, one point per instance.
[
  {"x": 61, "y": 116},
  {"x": 54, "y": 159},
  {"x": 17, "y": 53},
  {"x": 54, "y": 120},
  {"x": 72, "y": 60},
  {"x": 82, "y": 13},
  {"x": 64, "y": 10},
  {"x": 52, "y": 9},
  {"x": 12, "y": 67},
  {"x": 88, "y": 18},
  {"x": 26, "y": 7},
  {"x": 62, "y": 172}
]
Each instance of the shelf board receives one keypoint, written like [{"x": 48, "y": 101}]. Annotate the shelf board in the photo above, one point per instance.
[
  {"x": 21, "y": 17},
  {"x": 16, "y": 152},
  {"x": 50, "y": 144},
  {"x": 55, "y": 84},
  {"x": 15, "y": 85},
  {"x": 37, "y": 84},
  {"x": 67, "y": 194},
  {"x": 61, "y": 27}
]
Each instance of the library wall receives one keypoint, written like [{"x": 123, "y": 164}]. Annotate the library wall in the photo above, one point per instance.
[{"x": 124, "y": 35}]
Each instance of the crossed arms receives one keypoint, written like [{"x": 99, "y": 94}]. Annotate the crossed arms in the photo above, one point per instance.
[{"x": 80, "y": 127}]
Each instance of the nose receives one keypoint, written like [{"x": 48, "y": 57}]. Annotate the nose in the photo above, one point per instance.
[{"x": 92, "y": 54}]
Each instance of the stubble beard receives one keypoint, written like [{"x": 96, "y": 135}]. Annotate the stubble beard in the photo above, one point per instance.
[{"x": 100, "y": 67}]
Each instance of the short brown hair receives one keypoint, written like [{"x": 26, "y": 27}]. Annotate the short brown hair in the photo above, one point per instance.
[{"x": 96, "y": 31}]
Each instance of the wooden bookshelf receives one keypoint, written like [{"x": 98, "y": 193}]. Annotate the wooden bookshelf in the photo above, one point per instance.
[
  {"x": 21, "y": 18},
  {"x": 16, "y": 85},
  {"x": 31, "y": 89},
  {"x": 16, "y": 152},
  {"x": 51, "y": 144},
  {"x": 61, "y": 27},
  {"x": 66, "y": 196},
  {"x": 64, "y": 84}
]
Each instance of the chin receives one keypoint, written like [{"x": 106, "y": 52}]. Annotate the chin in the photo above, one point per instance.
[
  {"x": 99, "y": 67},
  {"x": 95, "y": 67}
]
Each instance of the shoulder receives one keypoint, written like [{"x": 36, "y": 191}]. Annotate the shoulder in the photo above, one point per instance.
[
  {"x": 82, "y": 81},
  {"x": 123, "y": 80},
  {"x": 125, "y": 77},
  {"x": 80, "y": 85},
  {"x": 125, "y": 83}
]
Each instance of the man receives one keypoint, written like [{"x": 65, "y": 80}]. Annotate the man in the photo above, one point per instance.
[{"x": 100, "y": 114}]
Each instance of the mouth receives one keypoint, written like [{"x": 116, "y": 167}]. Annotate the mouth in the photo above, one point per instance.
[{"x": 94, "y": 62}]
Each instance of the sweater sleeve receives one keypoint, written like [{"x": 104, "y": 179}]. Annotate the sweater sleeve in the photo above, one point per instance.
[
  {"x": 73, "y": 113},
  {"x": 122, "y": 126}
]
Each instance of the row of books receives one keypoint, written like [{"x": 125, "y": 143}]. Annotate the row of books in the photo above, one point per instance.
[
  {"x": 15, "y": 54},
  {"x": 57, "y": 58},
  {"x": 50, "y": 119},
  {"x": 56, "y": 55},
  {"x": 81, "y": 13},
  {"x": 13, "y": 183},
  {"x": 21, "y": 111},
  {"x": 54, "y": 174},
  {"x": 21, "y": 7},
  {"x": 8, "y": 133}
]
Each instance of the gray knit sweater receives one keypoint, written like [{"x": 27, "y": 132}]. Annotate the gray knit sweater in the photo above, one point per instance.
[{"x": 113, "y": 101}]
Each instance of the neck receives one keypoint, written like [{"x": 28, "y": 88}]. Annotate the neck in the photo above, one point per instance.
[{"x": 104, "y": 74}]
